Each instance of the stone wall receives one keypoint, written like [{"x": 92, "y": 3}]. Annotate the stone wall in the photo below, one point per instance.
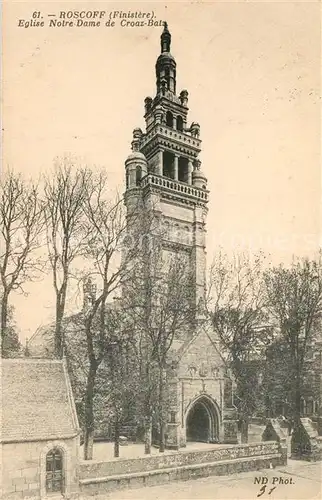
[
  {"x": 203, "y": 355},
  {"x": 176, "y": 459},
  {"x": 200, "y": 374},
  {"x": 274, "y": 431},
  {"x": 185, "y": 214},
  {"x": 24, "y": 468},
  {"x": 306, "y": 444},
  {"x": 102, "y": 477}
]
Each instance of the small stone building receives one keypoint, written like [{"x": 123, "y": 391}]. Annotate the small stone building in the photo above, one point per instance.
[{"x": 39, "y": 431}]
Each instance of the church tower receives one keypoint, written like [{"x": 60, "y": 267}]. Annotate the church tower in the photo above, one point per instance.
[
  {"x": 164, "y": 178},
  {"x": 164, "y": 171}
]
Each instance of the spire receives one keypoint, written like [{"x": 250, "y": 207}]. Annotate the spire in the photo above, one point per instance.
[
  {"x": 166, "y": 65},
  {"x": 89, "y": 293},
  {"x": 165, "y": 38}
]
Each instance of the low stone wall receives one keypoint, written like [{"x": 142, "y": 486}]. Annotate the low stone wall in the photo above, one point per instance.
[
  {"x": 100, "y": 477},
  {"x": 274, "y": 432},
  {"x": 175, "y": 459},
  {"x": 306, "y": 444}
]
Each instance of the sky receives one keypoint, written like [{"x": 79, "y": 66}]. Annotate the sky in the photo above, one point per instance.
[{"x": 252, "y": 70}]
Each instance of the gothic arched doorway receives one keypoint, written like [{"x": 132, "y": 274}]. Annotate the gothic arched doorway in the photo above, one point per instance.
[{"x": 202, "y": 422}]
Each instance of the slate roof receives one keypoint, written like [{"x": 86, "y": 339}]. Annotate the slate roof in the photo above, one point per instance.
[{"x": 37, "y": 401}]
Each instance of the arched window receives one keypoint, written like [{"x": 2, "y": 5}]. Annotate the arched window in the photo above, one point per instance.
[
  {"x": 169, "y": 119},
  {"x": 166, "y": 229},
  {"x": 177, "y": 232},
  {"x": 183, "y": 169},
  {"x": 138, "y": 175},
  {"x": 179, "y": 123},
  {"x": 168, "y": 165},
  {"x": 54, "y": 471},
  {"x": 310, "y": 407},
  {"x": 187, "y": 234}
]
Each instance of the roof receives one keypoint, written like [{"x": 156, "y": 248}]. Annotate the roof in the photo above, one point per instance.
[
  {"x": 42, "y": 329},
  {"x": 37, "y": 402},
  {"x": 164, "y": 57},
  {"x": 182, "y": 347},
  {"x": 41, "y": 343},
  {"x": 135, "y": 155}
]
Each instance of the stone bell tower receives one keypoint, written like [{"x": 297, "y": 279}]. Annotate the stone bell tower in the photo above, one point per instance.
[
  {"x": 164, "y": 170},
  {"x": 164, "y": 178}
]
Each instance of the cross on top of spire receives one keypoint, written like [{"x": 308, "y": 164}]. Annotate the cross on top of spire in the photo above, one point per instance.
[{"x": 165, "y": 38}]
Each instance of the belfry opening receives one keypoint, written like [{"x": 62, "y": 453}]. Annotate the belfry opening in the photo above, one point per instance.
[{"x": 202, "y": 423}]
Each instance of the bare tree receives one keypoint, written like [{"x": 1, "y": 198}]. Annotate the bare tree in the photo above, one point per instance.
[
  {"x": 106, "y": 226},
  {"x": 22, "y": 224},
  {"x": 65, "y": 193},
  {"x": 160, "y": 302},
  {"x": 294, "y": 296},
  {"x": 237, "y": 309}
]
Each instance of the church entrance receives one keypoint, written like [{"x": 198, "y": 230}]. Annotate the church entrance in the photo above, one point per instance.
[{"x": 202, "y": 421}]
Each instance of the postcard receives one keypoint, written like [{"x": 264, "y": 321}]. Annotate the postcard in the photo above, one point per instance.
[{"x": 161, "y": 271}]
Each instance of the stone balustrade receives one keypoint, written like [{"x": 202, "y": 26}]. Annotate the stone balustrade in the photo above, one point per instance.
[
  {"x": 169, "y": 132},
  {"x": 170, "y": 184}
]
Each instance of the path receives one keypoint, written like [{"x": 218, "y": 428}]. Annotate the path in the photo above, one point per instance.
[{"x": 303, "y": 478}]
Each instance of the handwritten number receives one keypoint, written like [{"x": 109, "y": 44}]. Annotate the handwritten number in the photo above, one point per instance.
[{"x": 262, "y": 490}]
